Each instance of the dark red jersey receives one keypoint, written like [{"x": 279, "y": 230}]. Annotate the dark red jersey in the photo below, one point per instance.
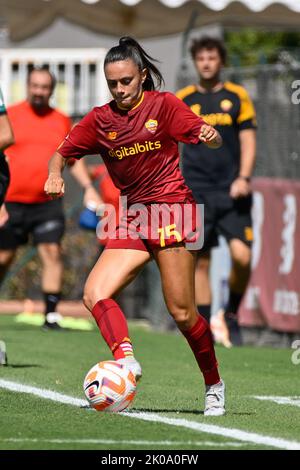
[{"x": 140, "y": 146}]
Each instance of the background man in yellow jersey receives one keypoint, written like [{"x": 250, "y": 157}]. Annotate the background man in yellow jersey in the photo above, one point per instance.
[{"x": 220, "y": 179}]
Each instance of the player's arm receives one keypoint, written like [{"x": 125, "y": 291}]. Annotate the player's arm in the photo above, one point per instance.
[
  {"x": 81, "y": 141},
  {"x": 248, "y": 152},
  {"x": 55, "y": 185},
  {"x": 246, "y": 122},
  {"x": 241, "y": 185},
  {"x": 80, "y": 172},
  {"x": 6, "y": 132}
]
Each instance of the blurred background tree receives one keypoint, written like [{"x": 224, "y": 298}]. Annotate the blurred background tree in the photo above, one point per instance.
[{"x": 251, "y": 47}]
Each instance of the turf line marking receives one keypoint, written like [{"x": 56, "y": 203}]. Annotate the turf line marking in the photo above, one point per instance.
[
  {"x": 237, "y": 434},
  {"x": 40, "y": 392},
  {"x": 294, "y": 401},
  {"x": 130, "y": 442}
]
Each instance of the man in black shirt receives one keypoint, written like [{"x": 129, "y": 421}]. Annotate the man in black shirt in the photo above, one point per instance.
[{"x": 220, "y": 179}]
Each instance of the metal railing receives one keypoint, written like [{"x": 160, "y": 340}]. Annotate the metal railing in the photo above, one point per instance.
[{"x": 79, "y": 72}]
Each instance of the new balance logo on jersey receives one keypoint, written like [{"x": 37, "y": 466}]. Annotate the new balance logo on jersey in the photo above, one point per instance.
[
  {"x": 112, "y": 135},
  {"x": 137, "y": 148}
]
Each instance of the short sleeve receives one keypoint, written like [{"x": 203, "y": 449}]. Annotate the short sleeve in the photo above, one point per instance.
[
  {"x": 247, "y": 115},
  {"x": 181, "y": 122},
  {"x": 82, "y": 140}
]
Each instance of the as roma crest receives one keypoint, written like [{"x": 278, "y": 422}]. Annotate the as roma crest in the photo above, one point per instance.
[{"x": 151, "y": 125}]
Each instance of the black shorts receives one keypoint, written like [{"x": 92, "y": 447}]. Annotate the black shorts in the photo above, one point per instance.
[
  {"x": 4, "y": 177},
  {"x": 45, "y": 222},
  {"x": 225, "y": 216}
]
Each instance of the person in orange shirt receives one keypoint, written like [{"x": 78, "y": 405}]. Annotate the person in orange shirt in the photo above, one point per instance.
[{"x": 38, "y": 130}]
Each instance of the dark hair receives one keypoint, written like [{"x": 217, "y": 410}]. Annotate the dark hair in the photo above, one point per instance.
[
  {"x": 43, "y": 68},
  {"x": 129, "y": 48},
  {"x": 209, "y": 43}
]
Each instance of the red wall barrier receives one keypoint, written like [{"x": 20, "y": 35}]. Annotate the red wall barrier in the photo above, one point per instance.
[{"x": 273, "y": 295}]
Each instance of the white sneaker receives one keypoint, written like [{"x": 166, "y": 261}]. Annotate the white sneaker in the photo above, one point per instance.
[
  {"x": 133, "y": 365},
  {"x": 3, "y": 355},
  {"x": 215, "y": 399}
]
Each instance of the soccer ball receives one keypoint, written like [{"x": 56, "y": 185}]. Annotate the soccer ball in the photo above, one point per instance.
[{"x": 109, "y": 386}]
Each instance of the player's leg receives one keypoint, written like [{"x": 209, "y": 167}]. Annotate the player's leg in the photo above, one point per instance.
[
  {"x": 237, "y": 228},
  {"x": 202, "y": 273},
  {"x": 12, "y": 234},
  {"x": 238, "y": 281},
  {"x": 47, "y": 224},
  {"x": 177, "y": 268},
  {"x": 51, "y": 283},
  {"x": 113, "y": 271},
  {"x": 202, "y": 285},
  {"x": 6, "y": 259},
  {"x": 4, "y": 182}
]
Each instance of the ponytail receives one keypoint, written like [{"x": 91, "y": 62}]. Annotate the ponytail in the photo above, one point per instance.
[{"x": 129, "y": 48}]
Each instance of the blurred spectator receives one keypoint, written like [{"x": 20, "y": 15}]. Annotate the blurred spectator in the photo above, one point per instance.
[
  {"x": 220, "y": 179},
  {"x": 38, "y": 129}
]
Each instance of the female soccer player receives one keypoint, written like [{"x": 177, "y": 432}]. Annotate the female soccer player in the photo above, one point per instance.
[{"x": 137, "y": 135}]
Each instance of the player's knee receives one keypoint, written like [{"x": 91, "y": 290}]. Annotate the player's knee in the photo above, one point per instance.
[
  {"x": 91, "y": 295},
  {"x": 182, "y": 315},
  {"x": 241, "y": 260},
  {"x": 88, "y": 299},
  {"x": 51, "y": 253},
  {"x": 6, "y": 257}
]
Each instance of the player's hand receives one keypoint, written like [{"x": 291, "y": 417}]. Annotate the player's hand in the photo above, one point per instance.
[
  {"x": 54, "y": 186},
  {"x": 90, "y": 194},
  {"x": 210, "y": 136},
  {"x": 240, "y": 188},
  {"x": 4, "y": 216}
]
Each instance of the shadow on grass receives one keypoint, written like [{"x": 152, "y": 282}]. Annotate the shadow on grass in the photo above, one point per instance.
[
  {"x": 179, "y": 410},
  {"x": 21, "y": 366},
  {"x": 170, "y": 410},
  {"x": 164, "y": 410}
]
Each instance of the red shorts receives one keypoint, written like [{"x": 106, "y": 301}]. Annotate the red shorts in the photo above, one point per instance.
[{"x": 147, "y": 227}]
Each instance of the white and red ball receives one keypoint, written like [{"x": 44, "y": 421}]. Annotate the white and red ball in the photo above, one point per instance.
[{"x": 109, "y": 386}]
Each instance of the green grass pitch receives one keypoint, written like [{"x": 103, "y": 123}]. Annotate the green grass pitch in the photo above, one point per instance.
[{"x": 171, "y": 387}]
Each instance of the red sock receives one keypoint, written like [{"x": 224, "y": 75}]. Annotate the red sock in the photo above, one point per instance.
[
  {"x": 200, "y": 340},
  {"x": 113, "y": 327}
]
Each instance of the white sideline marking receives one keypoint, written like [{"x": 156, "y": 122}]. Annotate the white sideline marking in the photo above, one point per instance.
[
  {"x": 220, "y": 431},
  {"x": 130, "y": 442},
  {"x": 196, "y": 426},
  {"x": 40, "y": 392},
  {"x": 295, "y": 401}
]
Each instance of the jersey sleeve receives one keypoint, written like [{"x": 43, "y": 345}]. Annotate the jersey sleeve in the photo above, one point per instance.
[
  {"x": 247, "y": 116},
  {"x": 2, "y": 105},
  {"x": 82, "y": 140},
  {"x": 182, "y": 123}
]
